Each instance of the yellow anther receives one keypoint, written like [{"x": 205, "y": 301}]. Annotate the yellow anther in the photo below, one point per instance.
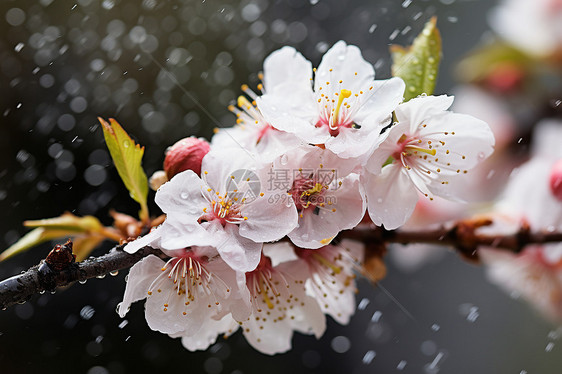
[{"x": 243, "y": 102}]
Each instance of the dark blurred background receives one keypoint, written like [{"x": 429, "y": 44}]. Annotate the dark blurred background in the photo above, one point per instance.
[{"x": 62, "y": 64}]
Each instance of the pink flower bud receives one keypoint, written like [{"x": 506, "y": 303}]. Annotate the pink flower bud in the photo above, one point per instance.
[
  {"x": 556, "y": 180},
  {"x": 186, "y": 154}
]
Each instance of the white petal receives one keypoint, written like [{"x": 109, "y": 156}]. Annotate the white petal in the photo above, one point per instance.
[
  {"x": 182, "y": 195},
  {"x": 207, "y": 335},
  {"x": 141, "y": 275},
  {"x": 269, "y": 218},
  {"x": 240, "y": 253},
  {"x": 344, "y": 62},
  {"x": 386, "y": 95},
  {"x": 306, "y": 315},
  {"x": 164, "y": 309},
  {"x": 286, "y": 66},
  {"x": 355, "y": 143},
  {"x": 296, "y": 113},
  {"x": 177, "y": 234},
  {"x": 391, "y": 197},
  {"x": 420, "y": 109},
  {"x": 221, "y": 163},
  {"x": 150, "y": 239},
  {"x": 387, "y": 148},
  {"x": 279, "y": 252}
]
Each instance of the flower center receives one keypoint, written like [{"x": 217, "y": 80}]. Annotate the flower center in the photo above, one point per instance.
[
  {"x": 335, "y": 111},
  {"x": 310, "y": 191},
  {"x": 190, "y": 278},
  {"x": 225, "y": 208},
  {"x": 411, "y": 146}
]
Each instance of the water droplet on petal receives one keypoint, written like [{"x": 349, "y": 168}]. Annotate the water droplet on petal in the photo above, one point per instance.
[{"x": 284, "y": 160}]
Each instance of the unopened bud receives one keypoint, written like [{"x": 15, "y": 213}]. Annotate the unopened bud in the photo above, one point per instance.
[
  {"x": 157, "y": 179},
  {"x": 186, "y": 154},
  {"x": 555, "y": 181}
]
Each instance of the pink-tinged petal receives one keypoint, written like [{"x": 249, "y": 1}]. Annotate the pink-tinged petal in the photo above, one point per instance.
[
  {"x": 528, "y": 195},
  {"x": 417, "y": 110},
  {"x": 344, "y": 208},
  {"x": 269, "y": 218},
  {"x": 141, "y": 275},
  {"x": 344, "y": 62},
  {"x": 151, "y": 239},
  {"x": 240, "y": 253},
  {"x": 207, "y": 335},
  {"x": 182, "y": 195},
  {"x": 286, "y": 66},
  {"x": 384, "y": 99},
  {"x": 529, "y": 276},
  {"x": 391, "y": 197}
]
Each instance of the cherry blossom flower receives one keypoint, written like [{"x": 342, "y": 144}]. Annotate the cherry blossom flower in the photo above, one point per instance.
[
  {"x": 182, "y": 293},
  {"x": 280, "y": 306},
  {"x": 225, "y": 209},
  {"x": 535, "y": 275},
  {"x": 426, "y": 148},
  {"x": 532, "y": 197},
  {"x": 253, "y": 132},
  {"x": 346, "y": 110},
  {"x": 327, "y": 195}
]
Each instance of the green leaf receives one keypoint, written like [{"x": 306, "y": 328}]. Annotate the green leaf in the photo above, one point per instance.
[
  {"x": 418, "y": 64},
  {"x": 487, "y": 60},
  {"x": 31, "y": 239},
  {"x": 127, "y": 157},
  {"x": 68, "y": 222},
  {"x": 67, "y": 225}
]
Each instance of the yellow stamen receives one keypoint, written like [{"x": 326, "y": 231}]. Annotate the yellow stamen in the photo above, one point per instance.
[
  {"x": 344, "y": 94},
  {"x": 325, "y": 262},
  {"x": 317, "y": 188},
  {"x": 428, "y": 151}
]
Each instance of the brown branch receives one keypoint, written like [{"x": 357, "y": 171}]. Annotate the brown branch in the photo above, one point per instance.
[
  {"x": 48, "y": 276},
  {"x": 59, "y": 269},
  {"x": 462, "y": 236}
]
